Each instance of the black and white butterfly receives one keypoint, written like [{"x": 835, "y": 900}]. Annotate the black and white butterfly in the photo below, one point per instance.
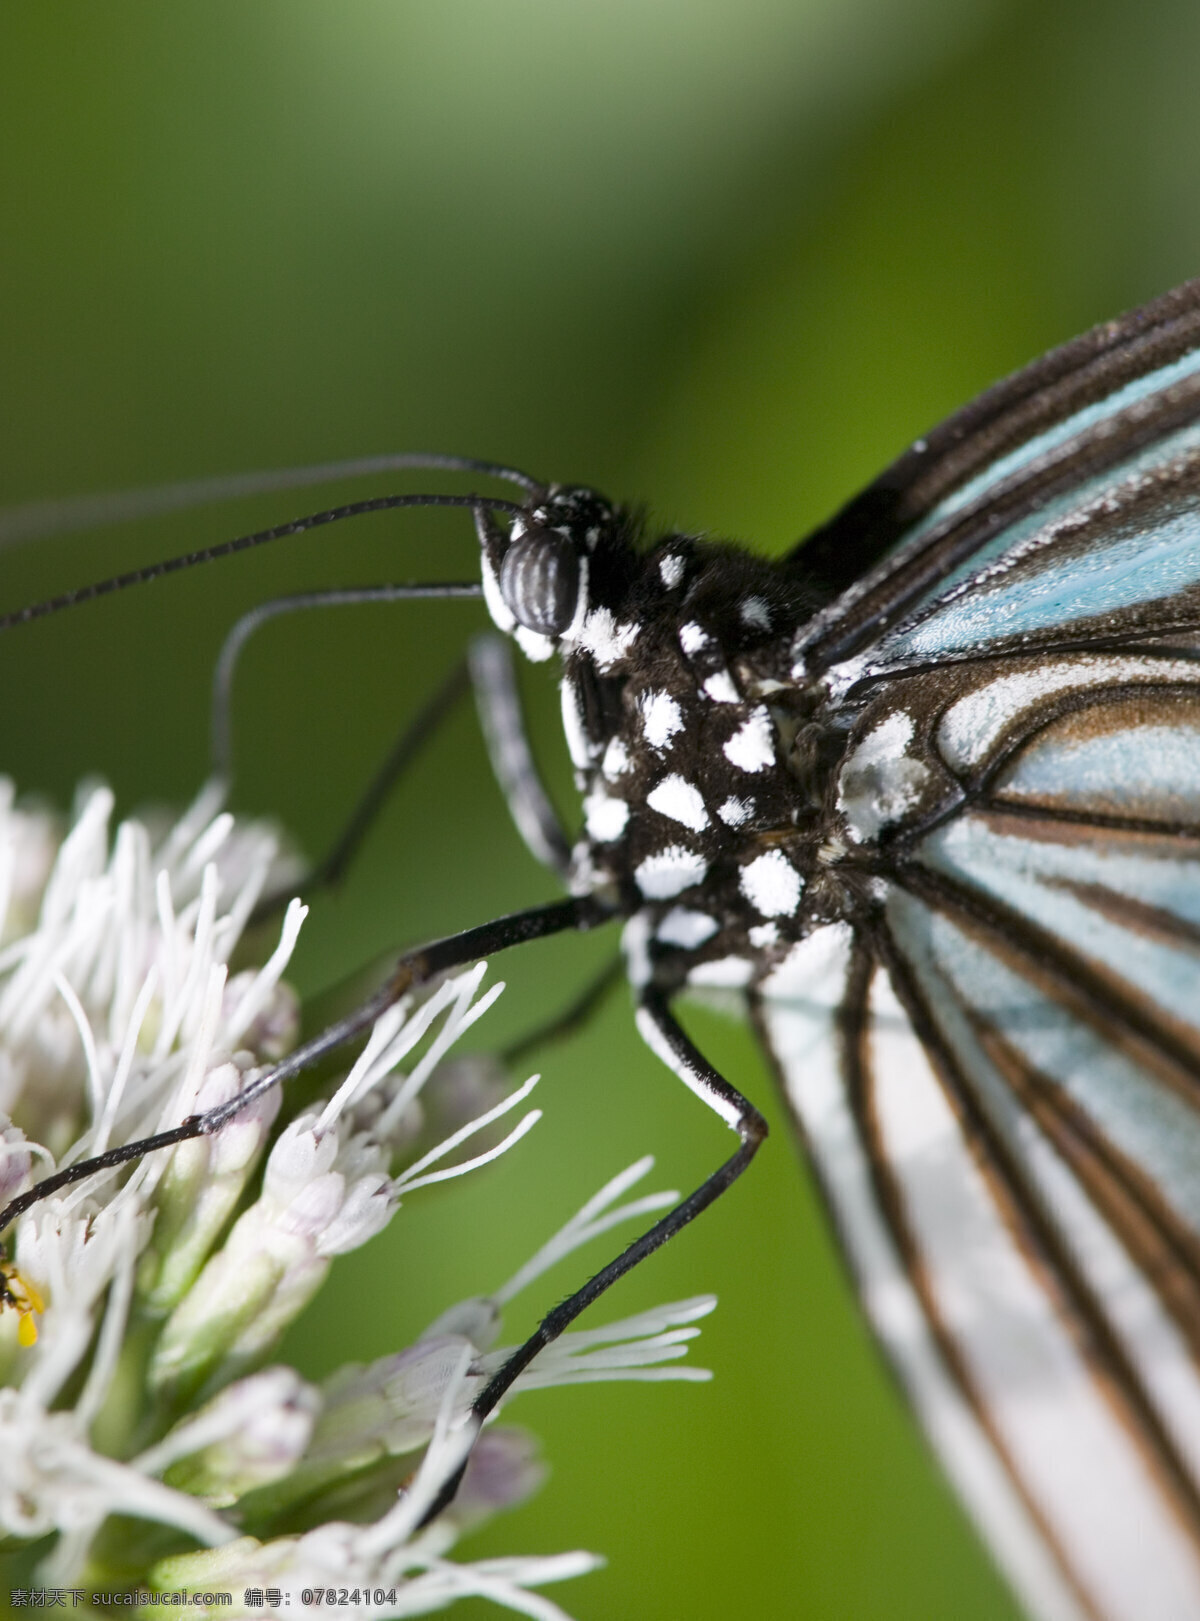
[{"x": 927, "y": 793}]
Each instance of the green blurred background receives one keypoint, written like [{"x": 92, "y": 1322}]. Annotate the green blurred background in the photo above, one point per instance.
[{"x": 726, "y": 256}]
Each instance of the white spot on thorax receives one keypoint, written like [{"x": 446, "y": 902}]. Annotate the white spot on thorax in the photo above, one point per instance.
[
  {"x": 606, "y": 640},
  {"x": 731, "y": 973},
  {"x": 752, "y": 746},
  {"x": 692, "y": 637},
  {"x": 663, "y": 876},
  {"x": 721, "y": 689},
  {"x": 756, "y": 612},
  {"x": 579, "y": 745},
  {"x": 681, "y": 801},
  {"x": 685, "y": 928},
  {"x": 604, "y": 817},
  {"x": 670, "y": 569},
  {"x": 616, "y": 759},
  {"x": 771, "y": 884},
  {"x": 661, "y": 718},
  {"x": 763, "y": 934},
  {"x": 735, "y": 812},
  {"x": 879, "y": 782}
]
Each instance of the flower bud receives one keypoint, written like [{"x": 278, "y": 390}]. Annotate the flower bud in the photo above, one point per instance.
[
  {"x": 15, "y": 1161},
  {"x": 318, "y": 1200},
  {"x": 390, "y": 1406},
  {"x": 503, "y": 1470},
  {"x": 261, "y": 1427},
  {"x": 200, "y": 1188}
]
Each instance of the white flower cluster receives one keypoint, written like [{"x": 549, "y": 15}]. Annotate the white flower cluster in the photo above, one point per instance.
[{"x": 145, "y": 1301}]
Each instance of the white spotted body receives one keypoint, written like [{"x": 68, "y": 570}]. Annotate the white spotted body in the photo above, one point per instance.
[{"x": 713, "y": 783}]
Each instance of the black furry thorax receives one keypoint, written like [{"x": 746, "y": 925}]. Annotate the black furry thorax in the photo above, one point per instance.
[{"x": 707, "y": 770}]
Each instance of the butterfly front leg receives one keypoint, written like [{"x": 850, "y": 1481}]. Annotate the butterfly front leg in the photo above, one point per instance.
[
  {"x": 667, "y": 1039},
  {"x": 503, "y": 723}
]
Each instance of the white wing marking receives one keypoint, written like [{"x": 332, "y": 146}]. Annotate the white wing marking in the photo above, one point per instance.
[
  {"x": 799, "y": 1011},
  {"x": 1068, "y": 1441}
]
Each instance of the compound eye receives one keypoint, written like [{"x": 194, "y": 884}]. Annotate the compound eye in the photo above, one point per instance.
[{"x": 539, "y": 580}]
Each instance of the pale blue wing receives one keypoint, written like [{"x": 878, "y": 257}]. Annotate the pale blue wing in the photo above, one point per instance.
[
  {"x": 998, "y": 1075},
  {"x": 1057, "y": 511},
  {"x": 1027, "y": 1327}
]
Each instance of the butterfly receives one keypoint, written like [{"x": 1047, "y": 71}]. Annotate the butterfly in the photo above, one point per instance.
[{"x": 925, "y": 793}]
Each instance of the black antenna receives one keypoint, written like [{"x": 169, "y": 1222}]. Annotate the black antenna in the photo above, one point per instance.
[
  {"x": 244, "y": 543},
  {"x": 37, "y": 520}
]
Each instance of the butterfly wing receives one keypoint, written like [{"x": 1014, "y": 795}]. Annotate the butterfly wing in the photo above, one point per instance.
[
  {"x": 996, "y": 1067},
  {"x": 1027, "y": 1338},
  {"x": 1058, "y": 510}
]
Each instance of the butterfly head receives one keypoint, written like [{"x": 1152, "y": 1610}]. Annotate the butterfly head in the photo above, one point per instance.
[{"x": 540, "y": 576}]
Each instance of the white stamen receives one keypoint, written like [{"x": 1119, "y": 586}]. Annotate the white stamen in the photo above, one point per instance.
[
  {"x": 526, "y": 1123},
  {"x": 258, "y": 994},
  {"x": 600, "y": 1213},
  {"x": 415, "y": 1175}
]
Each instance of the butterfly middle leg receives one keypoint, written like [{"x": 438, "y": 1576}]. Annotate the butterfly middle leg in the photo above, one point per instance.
[{"x": 667, "y": 1039}]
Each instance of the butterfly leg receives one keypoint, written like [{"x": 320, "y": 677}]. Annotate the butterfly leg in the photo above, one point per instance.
[
  {"x": 329, "y": 871},
  {"x": 409, "y": 741},
  {"x": 491, "y": 673},
  {"x": 667, "y": 1040},
  {"x": 221, "y": 702},
  {"x": 413, "y": 969},
  {"x": 499, "y": 704},
  {"x": 572, "y": 1017}
]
